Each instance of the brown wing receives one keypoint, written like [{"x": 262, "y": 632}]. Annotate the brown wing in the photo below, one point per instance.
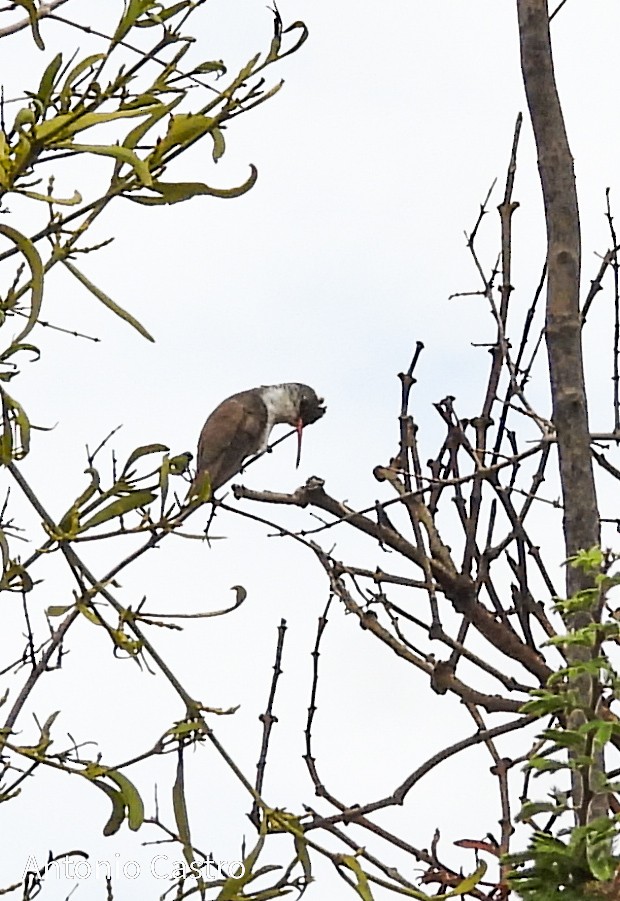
[{"x": 231, "y": 433}]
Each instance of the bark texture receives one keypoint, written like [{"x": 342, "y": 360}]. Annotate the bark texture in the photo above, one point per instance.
[
  {"x": 563, "y": 318},
  {"x": 564, "y": 349}
]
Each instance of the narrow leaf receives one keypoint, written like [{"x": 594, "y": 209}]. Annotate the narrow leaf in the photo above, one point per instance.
[
  {"x": 74, "y": 74},
  {"x": 362, "y": 887},
  {"x": 118, "y": 808},
  {"x": 118, "y": 507},
  {"x": 46, "y": 85},
  {"x": 121, "y": 154},
  {"x": 211, "y": 66},
  {"x": 15, "y": 417},
  {"x": 142, "y": 452},
  {"x": 469, "y": 883},
  {"x": 131, "y": 798},
  {"x": 133, "y": 10},
  {"x": 31, "y": 9},
  {"x": 107, "y": 301},
  {"x": 137, "y": 134},
  {"x": 58, "y": 610},
  {"x": 219, "y": 145},
  {"x": 68, "y": 201},
  {"x": 232, "y": 888},
  {"x": 180, "y": 811},
  {"x": 65, "y": 126},
  {"x": 183, "y": 129},
  {"x": 177, "y": 192},
  {"x": 33, "y": 259},
  {"x": 163, "y": 14}
]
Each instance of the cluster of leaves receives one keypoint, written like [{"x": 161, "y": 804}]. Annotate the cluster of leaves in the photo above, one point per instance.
[
  {"x": 64, "y": 116},
  {"x": 579, "y": 861},
  {"x": 156, "y": 105}
]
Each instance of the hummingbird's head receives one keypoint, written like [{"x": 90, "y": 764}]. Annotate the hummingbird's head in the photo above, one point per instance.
[
  {"x": 293, "y": 403},
  {"x": 311, "y": 406}
]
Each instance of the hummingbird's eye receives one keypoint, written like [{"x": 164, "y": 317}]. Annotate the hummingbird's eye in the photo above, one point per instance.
[{"x": 311, "y": 408}]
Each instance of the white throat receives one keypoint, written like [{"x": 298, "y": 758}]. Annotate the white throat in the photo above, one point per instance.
[{"x": 282, "y": 403}]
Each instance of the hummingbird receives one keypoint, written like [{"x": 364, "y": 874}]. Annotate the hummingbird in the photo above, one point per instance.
[{"x": 241, "y": 425}]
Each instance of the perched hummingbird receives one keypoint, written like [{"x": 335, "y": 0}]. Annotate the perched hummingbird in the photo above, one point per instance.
[{"x": 241, "y": 425}]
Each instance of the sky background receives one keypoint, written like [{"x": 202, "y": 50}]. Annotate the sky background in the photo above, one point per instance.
[{"x": 373, "y": 159}]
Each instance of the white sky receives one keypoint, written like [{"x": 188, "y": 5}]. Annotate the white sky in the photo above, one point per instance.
[{"x": 373, "y": 160}]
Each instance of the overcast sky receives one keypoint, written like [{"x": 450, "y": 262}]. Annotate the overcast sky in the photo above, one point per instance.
[{"x": 373, "y": 160}]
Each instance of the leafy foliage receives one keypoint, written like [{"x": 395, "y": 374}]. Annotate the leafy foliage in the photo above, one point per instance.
[
  {"x": 585, "y": 865},
  {"x": 137, "y": 106}
]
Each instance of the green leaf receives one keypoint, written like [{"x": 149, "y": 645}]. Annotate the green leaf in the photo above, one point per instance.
[
  {"x": 591, "y": 667},
  {"x": 211, "y": 66},
  {"x": 164, "y": 479},
  {"x": 582, "y": 600},
  {"x": 107, "y": 301},
  {"x": 201, "y": 488},
  {"x": 603, "y": 734},
  {"x": 600, "y": 859},
  {"x": 118, "y": 507},
  {"x": 180, "y": 812},
  {"x": 233, "y": 887},
  {"x": 137, "y": 134},
  {"x": 362, "y": 888},
  {"x": 549, "y": 703},
  {"x": 121, "y": 154},
  {"x": 20, "y": 348},
  {"x": 124, "y": 643},
  {"x": 48, "y": 79},
  {"x": 531, "y": 808},
  {"x": 143, "y": 451},
  {"x": 177, "y": 192},
  {"x": 169, "y": 72},
  {"x": 133, "y": 10},
  {"x": 588, "y": 561},
  {"x": 604, "y": 729},
  {"x": 89, "y": 614},
  {"x": 14, "y": 571},
  {"x": 183, "y": 129},
  {"x": 131, "y": 799},
  {"x": 23, "y": 118},
  {"x": 14, "y": 416},
  {"x": 4, "y": 550},
  {"x": 33, "y": 259},
  {"x": 118, "y": 807},
  {"x": 63, "y": 127},
  {"x": 59, "y": 610},
  {"x": 469, "y": 883},
  {"x": 70, "y": 523},
  {"x": 219, "y": 145},
  {"x": 162, "y": 15},
  {"x": 33, "y": 195},
  {"x": 184, "y": 728},
  {"x": 296, "y": 26},
  {"x": 74, "y": 74},
  {"x": 6, "y": 163},
  {"x": 31, "y": 9},
  {"x": 301, "y": 847},
  {"x": 566, "y": 738},
  {"x": 543, "y": 765},
  {"x": 68, "y": 526},
  {"x": 247, "y": 70}
]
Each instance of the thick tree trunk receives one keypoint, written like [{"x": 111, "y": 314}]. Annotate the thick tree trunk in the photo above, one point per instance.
[
  {"x": 563, "y": 334},
  {"x": 563, "y": 326}
]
